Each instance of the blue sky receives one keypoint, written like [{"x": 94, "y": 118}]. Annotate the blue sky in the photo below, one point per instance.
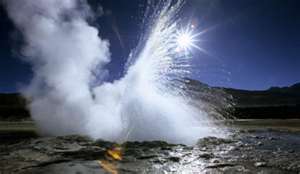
[{"x": 250, "y": 44}]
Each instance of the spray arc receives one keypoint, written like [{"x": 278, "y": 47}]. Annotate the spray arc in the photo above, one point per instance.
[{"x": 148, "y": 103}]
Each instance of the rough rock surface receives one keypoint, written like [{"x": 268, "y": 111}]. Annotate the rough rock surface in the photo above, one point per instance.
[{"x": 259, "y": 151}]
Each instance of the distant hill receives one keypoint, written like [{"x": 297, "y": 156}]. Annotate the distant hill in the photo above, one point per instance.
[
  {"x": 12, "y": 107},
  {"x": 276, "y": 102},
  {"x": 274, "y": 96}
]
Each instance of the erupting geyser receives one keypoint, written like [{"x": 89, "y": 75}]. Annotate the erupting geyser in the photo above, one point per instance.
[{"x": 148, "y": 103}]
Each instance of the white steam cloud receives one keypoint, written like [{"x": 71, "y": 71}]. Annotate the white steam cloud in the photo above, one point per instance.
[{"x": 64, "y": 50}]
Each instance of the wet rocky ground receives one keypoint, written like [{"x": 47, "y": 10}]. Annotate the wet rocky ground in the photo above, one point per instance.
[{"x": 248, "y": 151}]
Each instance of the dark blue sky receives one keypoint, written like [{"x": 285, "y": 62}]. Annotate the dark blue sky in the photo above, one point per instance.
[{"x": 251, "y": 44}]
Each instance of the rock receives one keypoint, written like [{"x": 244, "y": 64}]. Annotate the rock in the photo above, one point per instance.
[
  {"x": 230, "y": 148},
  {"x": 294, "y": 166},
  {"x": 215, "y": 161},
  {"x": 174, "y": 159},
  {"x": 211, "y": 155},
  {"x": 220, "y": 165},
  {"x": 239, "y": 144},
  {"x": 213, "y": 141},
  {"x": 206, "y": 155},
  {"x": 291, "y": 151},
  {"x": 260, "y": 164}
]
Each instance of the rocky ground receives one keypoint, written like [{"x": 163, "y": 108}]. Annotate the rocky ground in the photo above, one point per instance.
[{"x": 256, "y": 151}]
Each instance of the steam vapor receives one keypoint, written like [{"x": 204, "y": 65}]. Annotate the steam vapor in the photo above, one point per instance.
[{"x": 146, "y": 104}]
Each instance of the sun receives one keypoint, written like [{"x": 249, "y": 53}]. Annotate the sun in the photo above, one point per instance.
[{"x": 186, "y": 39}]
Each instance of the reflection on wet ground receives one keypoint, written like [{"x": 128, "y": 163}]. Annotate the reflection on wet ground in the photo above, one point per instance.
[{"x": 251, "y": 148}]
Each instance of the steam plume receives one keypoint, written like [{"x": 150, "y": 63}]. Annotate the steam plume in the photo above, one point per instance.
[{"x": 64, "y": 50}]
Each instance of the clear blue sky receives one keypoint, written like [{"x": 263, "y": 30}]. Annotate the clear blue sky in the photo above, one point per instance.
[{"x": 251, "y": 44}]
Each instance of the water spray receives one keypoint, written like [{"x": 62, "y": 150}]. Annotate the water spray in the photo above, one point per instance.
[{"x": 148, "y": 103}]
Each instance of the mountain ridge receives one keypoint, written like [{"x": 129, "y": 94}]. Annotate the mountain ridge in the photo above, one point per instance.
[{"x": 275, "y": 102}]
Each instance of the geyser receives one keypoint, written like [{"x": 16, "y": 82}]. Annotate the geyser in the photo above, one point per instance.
[{"x": 148, "y": 103}]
